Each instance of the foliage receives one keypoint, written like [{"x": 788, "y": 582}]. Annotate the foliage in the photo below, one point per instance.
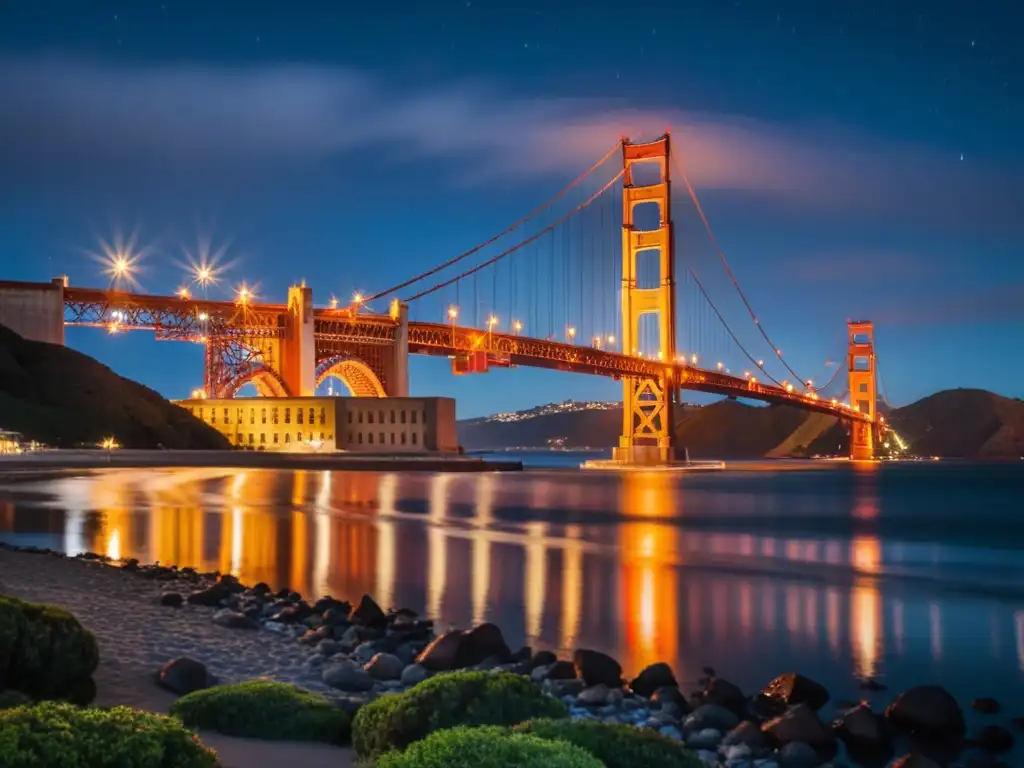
[
  {"x": 615, "y": 745},
  {"x": 487, "y": 747},
  {"x": 12, "y": 699},
  {"x": 264, "y": 709},
  {"x": 45, "y": 652},
  {"x": 57, "y": 735},
  {"x": 446, "y": 701}
]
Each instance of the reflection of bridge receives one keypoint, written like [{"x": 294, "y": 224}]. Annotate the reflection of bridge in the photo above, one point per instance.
[
  {"x": 648, "y": 589},
  {"x": 555, "y": 283}
]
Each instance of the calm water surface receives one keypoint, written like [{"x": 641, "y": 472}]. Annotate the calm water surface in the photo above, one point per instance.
[{"x": 907, "y": 573}]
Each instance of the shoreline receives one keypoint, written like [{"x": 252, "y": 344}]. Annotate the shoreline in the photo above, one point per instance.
[
  {"x": 145, "y": 616},
  {"x": 57, "y": 461}
]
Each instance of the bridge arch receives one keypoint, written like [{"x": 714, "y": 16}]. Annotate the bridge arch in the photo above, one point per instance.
[
  {"x": 266, "y": 380},
  {"x": 356, "y": 375}
]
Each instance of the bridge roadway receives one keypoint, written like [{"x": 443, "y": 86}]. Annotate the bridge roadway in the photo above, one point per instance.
[{"x": 193, "y": 319}]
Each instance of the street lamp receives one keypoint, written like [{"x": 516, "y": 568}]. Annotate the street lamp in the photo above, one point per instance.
[
  {"x": 517, "y": 327},
  {"x": 491, "y": 322},
  {"x": 453, "y": 315},
  {"x": 572, "y": 333}
]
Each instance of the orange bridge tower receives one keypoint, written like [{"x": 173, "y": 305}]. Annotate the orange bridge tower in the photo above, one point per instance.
[
  {"x": 647, "y": 404},
  {"x": 863, "y": 387}
]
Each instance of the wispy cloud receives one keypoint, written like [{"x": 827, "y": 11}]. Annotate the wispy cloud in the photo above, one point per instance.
[
  {"x": 64, "y": 117},
  {"x": 998, "y": 306},
  {"x": 843, "y": 266}
]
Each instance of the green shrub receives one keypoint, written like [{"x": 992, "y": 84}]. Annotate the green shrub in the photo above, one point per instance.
[
  {"x": 52, "y": 655},
  {"x": 615, "y": 745},
  {"x": 263, "y": 709},
  {"x": 446, "y": 701},
  {"x": 12, "y": 699},
  {"x": 487, "y": 747},
  {"x": 58, "y": 735}
]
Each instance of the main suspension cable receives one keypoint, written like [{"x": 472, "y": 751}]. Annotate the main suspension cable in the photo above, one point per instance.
[
  {"x": 574, "y": 183},
  {"x": 721, "y": 255},
  {"x": 516, "y": 247}
]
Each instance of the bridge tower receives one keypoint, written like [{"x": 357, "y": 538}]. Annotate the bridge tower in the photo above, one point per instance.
[
  {"x": 298, "y": 345},
  {"x": 863, "y": 387},
  {"x": 647, "y": 404}
]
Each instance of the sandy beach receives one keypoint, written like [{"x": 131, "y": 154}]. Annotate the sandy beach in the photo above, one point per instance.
[{"x": 137, "y": 636}]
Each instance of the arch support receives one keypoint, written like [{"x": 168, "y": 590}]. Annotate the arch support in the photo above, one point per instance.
[
  {"x": 266, "y": 381},
  {"x": 356, "y": 375}
]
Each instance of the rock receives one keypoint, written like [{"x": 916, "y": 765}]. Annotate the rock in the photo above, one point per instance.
[
  {"x": 481, "y": 642},
  {"x": 328, "y": 603},
  {"x": 230, "y": 583},
  {"x": 562, "y": 670},
  {"x": 542, "y": 659},
  {"x": 292, "y": 614},
  {"x": 384, "y": 666},
  {"x": 652, "y": 678},
  {"x": 864, "y": 733},
  {"x": 414, "y": 674},
  {"x": 706, "y": 738},
  {"x": 928, "y": 712},
  {"x": 172, "y": 599},
  {"x": 711, "y": 716},
  {"x": 994, "y": 738},
  {"x": 347, "y": 676},
  {"x": 594, "y": 668},
  {"x": 442, "y": 655},
  {"x": 210, "y": 597},
  {"x": 594, "y": 695},
  {"x": 793, "y": 688},
  {"x": 369, "y": 614},
  {"x": 234, "y": 620},
  {"x": 797, "y": 754},
  {"x": 747, "y": 733},
  {"x": 335, "y": 617},
  {"x": 561, "y": 688},
  {"x": 725, "y": 694},
  {"x": 260, "y": 589},
  {"x": 183, "y": 675},
  {"x": 364, "y": 653},
  {"x": 314, "y": 636},
  {"x": 671, "y": 695},
  {"x": 800, "y": 723},
  {"x": 986, "y": 705},
  {"x": 523, "y": 655}
]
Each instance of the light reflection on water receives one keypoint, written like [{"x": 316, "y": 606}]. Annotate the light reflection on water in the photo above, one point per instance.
[{"x": 752, "y": 575}]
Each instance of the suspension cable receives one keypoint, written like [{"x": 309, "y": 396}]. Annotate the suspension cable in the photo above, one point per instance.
[
  {"x": 516, "y": 247},
  {"x": 839, "y": 368},
  {"x": 575, "y": 182},
  {"x": 721, "y": 319},
  {"x": 721, "y": 255}
]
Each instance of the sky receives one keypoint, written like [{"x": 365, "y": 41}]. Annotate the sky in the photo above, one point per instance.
[{"x": 854, "y": 159}]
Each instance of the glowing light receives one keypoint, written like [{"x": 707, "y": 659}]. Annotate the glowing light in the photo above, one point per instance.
[
  {"x": 517, "y": 326},
  {"x": 333, "y": 303},
  {"x": 659, "y": 354},
  {"x": 198, "y": 394},
  {"x": 719, "y": 366},
  {"x": 453, "y": 312},
  {"x": 492, "y": 321},
  {"x": 597, "y": 342},
  {"x": 184, "y": 293},
  {"x": 810, "y": 383},
  {"x": 109, "y": 444},
  {"x": 746, "y": 374},
  {"x": 693, "y": 359},
  {"x": 789, "y": 387},
  {"x": 572, "y": 332},
  {"x": 112, "y": 328},
  {"x": 203, "y": 317},
  {"x": 611, "y": 339},
  {"x": 357, "y": 298},
  {"x": 760, "y": 363}
]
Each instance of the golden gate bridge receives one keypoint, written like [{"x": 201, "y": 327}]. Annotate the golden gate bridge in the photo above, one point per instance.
[{"x": 592, "y": 281}]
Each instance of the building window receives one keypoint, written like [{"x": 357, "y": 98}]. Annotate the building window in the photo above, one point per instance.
[
  {"x": 287, "y": 415},
  {"x": 414, "y": 416},
  {"x": 275, "y": 438},
  {"x": 311, "y": 416},
  {"x": 263, "y": 438},
  {"x": 274, "y": 415},
  {"x": 321, "y": 435},
  {"x": 360, "y": 417},
  {"x": 263, "y": 415},
  {"x": 298, "y": 437},
  {"x": 349, "y": 414},
  {"x": 252, "y": 415},
  {"x": 369, "y": 437},
  {"x": 382, "y": 438},
  {"x": 298, "y": 415},
  {"x": 251, "y": 438},
  {"x": 402, "y": 416},
  {"x": 392, "y": 438},
  {"x": 360, "y": 438},
  {"x": 323, "y": 415},
  {"x": 227, "y": 418},
  {"x": 369, "y": 417},
  {"x": 349, "y": 439},
  {"x": 213, "y": 415},
  {"x": 392, "y": 415},
  {"x": 414, "y": 437},
  {"x": 381, "y": 414},
  {"x": 403, "y": 438},
  {"x": 200, "y": 414}
]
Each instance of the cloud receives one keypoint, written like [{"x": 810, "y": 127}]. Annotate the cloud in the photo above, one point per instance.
[
  {"x": 1000, "y": 305},
  {"x": 842, "y": 266},
  {"x": 79, "y": 118}
]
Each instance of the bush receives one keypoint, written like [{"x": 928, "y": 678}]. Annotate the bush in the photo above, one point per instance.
[
  {"x": 12, "y": 699},
  {"x": 488, "y": 747},
  {"x": 263, "y": 709},
  {"x": 57, "y": 735},
  {"x": 615, "y": 745},
  {"x": 446, "y": 701},
  {"x": 45, "y": 652}
]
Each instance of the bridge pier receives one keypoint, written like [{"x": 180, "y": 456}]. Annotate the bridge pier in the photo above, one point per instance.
[
  {"x": 298, "y": 345},
  {"x": 863, "y": 387},
  {"x": 35, "y": 311}
]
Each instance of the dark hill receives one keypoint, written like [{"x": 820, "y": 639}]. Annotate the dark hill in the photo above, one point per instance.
[
  {"x": 960, "y": 423},
  {"x": 62, "y": 398}
]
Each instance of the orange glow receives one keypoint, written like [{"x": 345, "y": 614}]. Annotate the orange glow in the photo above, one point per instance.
[{"x": 866, "y": 619}]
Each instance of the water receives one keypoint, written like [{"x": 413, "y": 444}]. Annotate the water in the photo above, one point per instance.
[{"x": 905, "y": 573}]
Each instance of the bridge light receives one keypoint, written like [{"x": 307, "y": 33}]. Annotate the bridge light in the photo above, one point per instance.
[
  {"x": 810, "y": 383},
  {"x": 184, "y": 293},
  {"x": 572, "y": 332},
  {"x": 611, "y": 339},
  {"x": 492, "y": 321},
  {"x": 746, "y": 374},
  {"x": 112, "y": 328},
  {"x": 659, "y": 354},
  {"x": 789, "y": 387},
  {"x": 760, "y": 363},
  {"x": 778, "y": 352},
  {"x": 753, "y": 379},
  {"x": 333, "y": 303},
  {"x": 203, "y": 317},
  {"x": 693, "y": 359},
  {"x": 834, "y": 401},
  {"x": 517, "y": 326},
  {"x": 204, "y": 274},
  {"x": 357, "y": 298},
  {"x": 719, "y": 366},
  {"x": 453, "y": 312}
]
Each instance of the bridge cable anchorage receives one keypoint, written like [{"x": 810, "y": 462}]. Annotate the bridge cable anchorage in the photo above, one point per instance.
[
  {"x": 466, "y": 254},
  {"x": 514, "y": 248},
  {"x": 725, "y": 262},
  {"x": 721, "y": 319}
]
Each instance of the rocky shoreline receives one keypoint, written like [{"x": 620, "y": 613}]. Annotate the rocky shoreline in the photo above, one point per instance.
[{"x": 355, "y": 654}]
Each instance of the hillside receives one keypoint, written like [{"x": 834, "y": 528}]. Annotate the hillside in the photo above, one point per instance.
[
  {"x": 960, "y": 423},
  {"x": 62, "y": 398}
]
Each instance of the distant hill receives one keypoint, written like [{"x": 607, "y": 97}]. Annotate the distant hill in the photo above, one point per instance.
[
  {"x": 962, "y": 423},
  {"x": 62, "y": 398}
]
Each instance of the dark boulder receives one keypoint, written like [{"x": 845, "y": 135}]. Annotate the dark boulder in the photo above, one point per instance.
[
  {"x": 171, "y": 599},
  {"x": 927, "y": 712},
  {"x": 482, "y": 642},
  {"x": 369, "y": 614},
  {"x": 865, "y": 734},
  {"x": 994, "y": 739},
  {"x": 801, "y": 724},
  {"x": 595, "y": 668},
  {"x": 793, "y": 688},
  {"x": 724, "y": 694},
  {"x": 652, "y": 678},
  {"x": 442, "y": 655},
  {"x": 210, "y": 597},
  {"x": 183, "y": 675}
]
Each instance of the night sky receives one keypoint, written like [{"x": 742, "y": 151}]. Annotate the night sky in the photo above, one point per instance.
[{"x": 856, "y": 159}]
